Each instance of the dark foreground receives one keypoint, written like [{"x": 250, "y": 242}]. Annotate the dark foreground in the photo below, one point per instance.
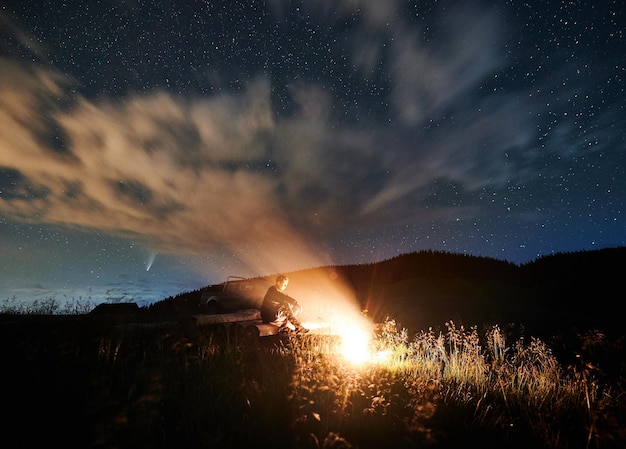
[{"x": 79, "y": 382}]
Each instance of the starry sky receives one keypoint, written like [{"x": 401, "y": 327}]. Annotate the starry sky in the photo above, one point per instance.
[{"x": 149, "y": 148}]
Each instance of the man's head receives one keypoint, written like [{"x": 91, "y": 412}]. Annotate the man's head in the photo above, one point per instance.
[{"x": 281, "y": 282}]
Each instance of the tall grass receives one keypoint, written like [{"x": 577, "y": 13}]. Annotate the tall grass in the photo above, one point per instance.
[
  {"x": 47, "y": 306},
  {"x": 208, "y": 387},
  {"x": 516, "y": 392}
]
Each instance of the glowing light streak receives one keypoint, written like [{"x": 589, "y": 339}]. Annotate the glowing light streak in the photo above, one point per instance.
[{"x": 150, "y": 261}]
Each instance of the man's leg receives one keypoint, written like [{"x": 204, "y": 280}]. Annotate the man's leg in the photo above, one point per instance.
[
  {"x": 291, "y": 317},
  {"x": 282, "y": 321}
]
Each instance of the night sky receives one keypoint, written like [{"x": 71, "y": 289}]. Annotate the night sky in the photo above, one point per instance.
[{"x": 149, "y": 148}]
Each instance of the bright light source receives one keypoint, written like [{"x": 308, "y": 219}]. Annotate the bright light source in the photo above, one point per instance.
[
  {"x": 356, "y": 340},
  {"x": 355, "y": 337},
  {"x": 355, "y": 344}
]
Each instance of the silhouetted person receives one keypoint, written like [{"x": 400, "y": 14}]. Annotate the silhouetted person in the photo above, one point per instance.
[{"x": 281, "y": 309}]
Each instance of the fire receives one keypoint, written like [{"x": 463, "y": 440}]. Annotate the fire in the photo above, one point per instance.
[
  {"x": 356, "y": 344},
  {"x": 331, "y": 309},
  {"x": 355, "y": 338}
]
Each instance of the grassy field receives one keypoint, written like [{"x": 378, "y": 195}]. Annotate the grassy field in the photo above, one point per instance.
[{"x": 82, "y": 382}]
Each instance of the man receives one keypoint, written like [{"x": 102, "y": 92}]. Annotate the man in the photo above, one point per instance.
[{"x": 281, "y": 309}]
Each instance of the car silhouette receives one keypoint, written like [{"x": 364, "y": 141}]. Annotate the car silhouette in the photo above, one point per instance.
[{"x": 237, "y": 293}]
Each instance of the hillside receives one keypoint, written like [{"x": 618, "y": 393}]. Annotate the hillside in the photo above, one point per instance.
[{"x": 426, "y": 289}]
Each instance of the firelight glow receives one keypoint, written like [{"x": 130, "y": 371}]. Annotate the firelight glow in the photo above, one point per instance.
[
  {"x": 331, "y": 308},
  {"x": 356, "y": 344},
  {"x": 355, "y": 340}
]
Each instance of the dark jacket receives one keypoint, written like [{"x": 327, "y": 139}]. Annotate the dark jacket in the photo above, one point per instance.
[{"x": 273, "y": 302}]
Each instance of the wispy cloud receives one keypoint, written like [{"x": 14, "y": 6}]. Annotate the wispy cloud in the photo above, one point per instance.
[{"x": 223, "y": 173}]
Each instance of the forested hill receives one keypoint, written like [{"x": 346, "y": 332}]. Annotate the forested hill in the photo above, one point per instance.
[
  {"x": 578, "y": 290},
  {"x": 575, "y": 266}
]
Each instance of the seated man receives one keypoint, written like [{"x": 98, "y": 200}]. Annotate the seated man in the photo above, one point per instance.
[{"x": 280, "y": 309}]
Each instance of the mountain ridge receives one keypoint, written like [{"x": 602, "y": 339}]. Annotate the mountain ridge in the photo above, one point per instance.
[{"x": 426, "y": 289}]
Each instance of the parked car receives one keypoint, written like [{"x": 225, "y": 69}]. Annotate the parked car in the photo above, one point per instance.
[{"x": 237, "y": 293}]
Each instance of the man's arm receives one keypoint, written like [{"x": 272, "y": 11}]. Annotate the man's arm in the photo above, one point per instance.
[{"x": 287, "y": 299}]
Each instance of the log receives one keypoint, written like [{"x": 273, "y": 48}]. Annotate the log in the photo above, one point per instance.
[
  {"x": 222, "y": 318},
  {"x": 246, "y": 321}
]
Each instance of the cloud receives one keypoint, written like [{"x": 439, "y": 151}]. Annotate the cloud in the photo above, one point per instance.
[
  {"x": 224, "y": 174},
  {"x": 182, "y": 175},
  {"x": 12, "y": 32}
]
